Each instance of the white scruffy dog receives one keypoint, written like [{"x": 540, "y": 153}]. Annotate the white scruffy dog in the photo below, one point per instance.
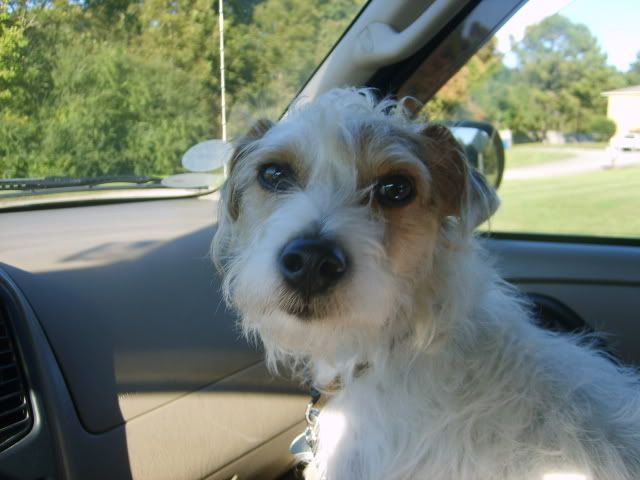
[{"x": 345, "y": 240}]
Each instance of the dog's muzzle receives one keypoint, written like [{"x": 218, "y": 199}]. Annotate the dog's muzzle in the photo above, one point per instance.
[{"x": 312, "y": 265}]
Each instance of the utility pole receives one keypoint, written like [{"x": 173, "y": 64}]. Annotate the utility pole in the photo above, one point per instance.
[{"x": 223, "y": 112}]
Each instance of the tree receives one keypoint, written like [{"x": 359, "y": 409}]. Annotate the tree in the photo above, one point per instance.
[
  {"x": 602, "y": 128},
  {"x": 110, "y": 119},
  {"x": 25, "y": 80},
  {"x": 633, "y": 75},
  {"x": 270, "y": 58},
  {"x": 562, "y": 66},
  {"x": 90, "y": 87},
  {"x": 460, "y": 96}
]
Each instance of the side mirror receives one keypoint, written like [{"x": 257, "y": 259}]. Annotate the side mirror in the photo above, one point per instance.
[
  {"x": 207, "y": 156},
  {"x": 483, "y": 147},
  {"x": 204, "y": 163}
]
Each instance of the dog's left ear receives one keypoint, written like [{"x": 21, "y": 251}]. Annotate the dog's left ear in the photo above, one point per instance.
[
  {"x": 230, "y": 189},
  {"x": 459, "y": 190},
  {"x": 231, "y": 193}
]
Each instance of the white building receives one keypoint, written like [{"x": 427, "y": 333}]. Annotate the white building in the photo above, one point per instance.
[{"x": 624, "y": 109}]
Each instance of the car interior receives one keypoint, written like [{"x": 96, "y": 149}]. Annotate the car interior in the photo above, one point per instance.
[{"x": 118, "y": 356}]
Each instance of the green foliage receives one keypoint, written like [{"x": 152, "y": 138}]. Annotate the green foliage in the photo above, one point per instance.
[
  {"x": 12, "y": 44},
  {"x": 461, "y": 96},
  {"x": 602, "y": 128},
  {"x": 25, "y": 80},
  {"x": 109, "y": 119},
  {"x": 557, "y": 83},
  {"x": 91, "y": 87},
  {"x": 95, "y": 87},
  {"x": 633, "y": 75},
  {"x": 566, "y": 71},
  {"x": 293, "y": 35}
]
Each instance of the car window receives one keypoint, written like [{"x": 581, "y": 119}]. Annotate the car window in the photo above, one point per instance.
[
  {"x": 560, "y": 81},
  {"x": 122, "y": 88}
]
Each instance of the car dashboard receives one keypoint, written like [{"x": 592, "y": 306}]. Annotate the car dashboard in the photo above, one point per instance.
[{"x": 131, "y": 364}]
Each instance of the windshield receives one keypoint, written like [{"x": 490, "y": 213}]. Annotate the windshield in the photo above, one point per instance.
[{"x": 123, "y": 87}]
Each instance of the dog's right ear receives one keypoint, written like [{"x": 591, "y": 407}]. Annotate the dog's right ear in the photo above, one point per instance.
[
  {"x": 482, "y": 200},
  {"x": 231, "y": 189},
  {"x": 460, "y": 190}
]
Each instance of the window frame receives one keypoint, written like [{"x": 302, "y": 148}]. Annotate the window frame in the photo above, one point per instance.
[{"x": 443, "y": 57}]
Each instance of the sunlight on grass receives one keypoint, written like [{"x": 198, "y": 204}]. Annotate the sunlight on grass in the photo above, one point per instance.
[
  {"x": 603, "y": 203},
  {"x": 579, "y": 145},
  {"x": 528, "y": 155}
]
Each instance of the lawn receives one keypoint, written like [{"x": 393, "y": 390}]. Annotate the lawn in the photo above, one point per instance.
[
  {"x": 605, "y": 203},
  {"x": 529, "y": 154},
  {"x": 534, "y": 154},
  {"x": 582, "y": 145}
]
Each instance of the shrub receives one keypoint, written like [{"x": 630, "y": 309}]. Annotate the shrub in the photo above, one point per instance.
[{"x": 602, "y": 128}]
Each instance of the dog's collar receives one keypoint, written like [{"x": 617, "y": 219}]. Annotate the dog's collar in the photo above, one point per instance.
[
  {"x": 304, "y": 446},
  {"x": 335, "y": 385}
]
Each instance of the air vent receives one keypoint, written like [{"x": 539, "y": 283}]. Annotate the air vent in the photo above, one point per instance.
[{"x": 15, "y": 411}]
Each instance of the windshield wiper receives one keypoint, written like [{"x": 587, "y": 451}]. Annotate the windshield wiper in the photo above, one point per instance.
[{"x": 63, "y": 182}]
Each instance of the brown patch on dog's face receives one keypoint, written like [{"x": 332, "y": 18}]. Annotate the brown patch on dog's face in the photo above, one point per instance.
[
  {"x": 434, "y": 164},
  {"x": 381, "y": 145},
  {"x": 410, "y": 236}
]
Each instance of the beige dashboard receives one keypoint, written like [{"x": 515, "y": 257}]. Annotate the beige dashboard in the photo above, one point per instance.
[{"x": 154, "y": 379}]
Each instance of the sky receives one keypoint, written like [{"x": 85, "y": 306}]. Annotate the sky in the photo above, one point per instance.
[{"x": 615, "y": 23}]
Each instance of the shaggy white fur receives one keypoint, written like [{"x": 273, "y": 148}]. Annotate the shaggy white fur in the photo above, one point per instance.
[{"x": 461, "y": 384}]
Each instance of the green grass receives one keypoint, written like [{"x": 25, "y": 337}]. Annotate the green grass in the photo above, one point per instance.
[
  {"x": 533, "y": 154},
  {"x": 529, "y": 154},
  {"x": 583, "y": 145},
  {"x": 603, "y": 203},
  {"x": 589, "y": 145}
]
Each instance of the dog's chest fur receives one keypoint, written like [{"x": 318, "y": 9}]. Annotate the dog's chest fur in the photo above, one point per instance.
[
  {"x": 345, "y": 237},
  {"x": 515, "y": 403}
]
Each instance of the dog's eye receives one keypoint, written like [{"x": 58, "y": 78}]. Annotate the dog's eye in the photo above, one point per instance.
[
  {"x": 394, "y": 190},
  {"x": 275, "y": 177}
]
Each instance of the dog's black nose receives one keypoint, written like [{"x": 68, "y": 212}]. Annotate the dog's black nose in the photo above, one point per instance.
[{"x": 312, "y": 265}]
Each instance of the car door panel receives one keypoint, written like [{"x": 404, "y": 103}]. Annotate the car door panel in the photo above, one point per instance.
[{"x": 600, "y": 282}]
